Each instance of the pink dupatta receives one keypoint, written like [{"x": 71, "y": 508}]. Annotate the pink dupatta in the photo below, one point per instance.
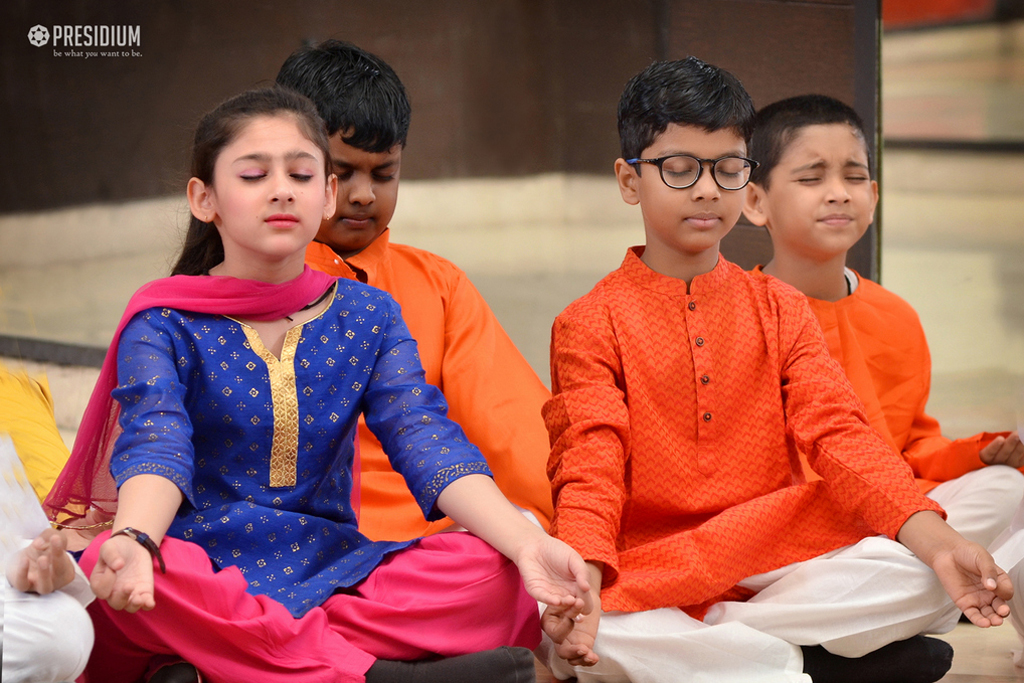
[{"x": 85, "y": 489}]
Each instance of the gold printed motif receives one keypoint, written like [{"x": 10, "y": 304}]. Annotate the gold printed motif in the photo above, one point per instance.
[{"x": 284, "y": 396}]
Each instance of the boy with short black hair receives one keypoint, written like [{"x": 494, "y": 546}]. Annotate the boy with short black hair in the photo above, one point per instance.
[
  {"x": 814, "y": 193},
  {"x": 491, "y": 390},
  {"x": 683, "y": 388}
]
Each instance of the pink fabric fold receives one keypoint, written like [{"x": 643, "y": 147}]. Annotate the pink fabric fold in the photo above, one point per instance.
[{"x": 85, "y": 489}]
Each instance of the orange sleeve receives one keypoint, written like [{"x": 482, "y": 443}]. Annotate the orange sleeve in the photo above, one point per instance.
[
  {"x": 878, "y": 339},
  {"x": 865, "y": 475},
  {"x": 497, "y": 398},
  {"x": 932, "y": 456},
  {"x": 590, "y": 428}
]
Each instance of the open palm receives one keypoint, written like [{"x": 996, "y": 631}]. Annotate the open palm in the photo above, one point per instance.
[
  {"x": 977, "y": 586},
  {"x": 123, "y": 575},
  {"x": 555, "y": 574}
]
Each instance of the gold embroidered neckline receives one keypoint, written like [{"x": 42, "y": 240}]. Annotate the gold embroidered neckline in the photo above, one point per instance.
[
  {"x": 319, "y": 315},
  {"x": 284, "y": 396}
]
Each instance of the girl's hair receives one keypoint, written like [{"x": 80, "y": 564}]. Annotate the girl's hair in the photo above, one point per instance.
[{"x": 203, "y": 248}]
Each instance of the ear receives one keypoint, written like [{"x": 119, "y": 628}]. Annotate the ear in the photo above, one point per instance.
[
  {"x": 201, "y": 200},
  {"x": 330, "y": 196},
  {"x": 874, "y": 196},
  {"x": 628, "y": 180},
  {"x": 755, "y": 204}
]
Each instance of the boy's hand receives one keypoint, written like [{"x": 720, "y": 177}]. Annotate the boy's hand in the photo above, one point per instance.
[
  {"x": 978, "y": 587},
  {"x": 967, "y": 572},
  {"x": 573, "y": 639},
  {"x": 1004, "y": 451},
  {"x": 573, "y": 635},
  {"x": 43, "y": 566},
  {"x": 123, "y": 575}
]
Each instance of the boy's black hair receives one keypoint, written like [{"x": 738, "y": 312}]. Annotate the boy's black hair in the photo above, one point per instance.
[
  {"x": 687, "y": 92},
  {"x": 777, "y": 125},
  {"x": 355, "y": 92}
]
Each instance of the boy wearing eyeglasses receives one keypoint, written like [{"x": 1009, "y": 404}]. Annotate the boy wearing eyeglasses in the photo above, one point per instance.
[
  {"x": 815, "y": 195},
  {"x": 683, "y": 389}
]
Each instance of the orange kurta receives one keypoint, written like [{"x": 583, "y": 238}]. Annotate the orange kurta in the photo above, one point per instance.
[
  {"x": 492, "y": 392},
  {"x": 675, "y": 421},
  {"x": 878, "y": 339}
]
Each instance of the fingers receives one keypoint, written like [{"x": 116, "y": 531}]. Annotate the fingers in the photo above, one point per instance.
[
  {"x": 993, "y": 578},
  {"x": 988, "y": 615},
  {"x": 140, "y": 600},
  {"x": 1004, "y": 451},
  {"x": 988, "y": 453},
  {"x": 556, "y": 625},
  {"x": 102, "y": 580},
  {"x": 583, "y": 656},
  {"x": 42, "y": 575},
  {"x": 1004, "y": 587},
  {"x": 582, "y": 573}
]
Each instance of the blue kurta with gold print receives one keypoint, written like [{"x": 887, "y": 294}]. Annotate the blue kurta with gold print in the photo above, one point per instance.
[{"x": 262, "y": 447}]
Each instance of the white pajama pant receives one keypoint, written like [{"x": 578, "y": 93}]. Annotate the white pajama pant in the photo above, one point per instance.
[
  {"x": 981, "y": 504},
  {"x": 46, "y": 638},
  {"x": 851, "y": 601}
]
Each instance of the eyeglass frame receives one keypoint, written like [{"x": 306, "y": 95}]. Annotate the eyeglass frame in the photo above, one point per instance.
[{"x": 659, "y": 162}]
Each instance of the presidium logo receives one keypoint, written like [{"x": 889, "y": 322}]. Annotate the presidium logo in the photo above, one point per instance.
[
  {"x": 38, "y": 35},
  {"x": 106, "y": 41}
]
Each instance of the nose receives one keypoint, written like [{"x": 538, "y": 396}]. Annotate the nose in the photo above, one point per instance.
[
  {"x": 360, "y": 190},
  {"x": 837, "y": 191},
  {"x": 283, "y": 190},
  {"x": 706, "y": 188}
]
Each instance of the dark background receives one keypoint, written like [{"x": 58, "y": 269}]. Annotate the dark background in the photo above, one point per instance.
[{"x": 498, "y": 88}]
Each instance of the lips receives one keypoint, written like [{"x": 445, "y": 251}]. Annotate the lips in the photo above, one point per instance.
[
  {"x": 836, "y": 220},
  {"x": 357, "y": 221},
  {"x": 282, "y": 220},
  {"x": 703, "y": 220}
]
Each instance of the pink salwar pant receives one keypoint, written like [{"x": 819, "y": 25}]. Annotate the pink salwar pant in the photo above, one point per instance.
[{"x": 447, "y": 595}]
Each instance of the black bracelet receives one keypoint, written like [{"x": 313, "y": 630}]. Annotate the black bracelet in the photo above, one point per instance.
[{"x": 145, "y": 541}]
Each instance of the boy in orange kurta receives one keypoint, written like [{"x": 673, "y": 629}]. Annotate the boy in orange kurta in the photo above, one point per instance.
[
  {"x": 492, "y": 392},
  {"x": 814, "y": 193},
  {"x": 683, "y": 389}
]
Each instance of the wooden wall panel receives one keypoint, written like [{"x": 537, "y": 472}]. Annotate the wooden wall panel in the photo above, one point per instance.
[{"x": 506, "y": 87}]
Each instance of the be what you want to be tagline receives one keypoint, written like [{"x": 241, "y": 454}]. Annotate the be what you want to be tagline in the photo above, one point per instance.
[{"x": 85, "y": 41}]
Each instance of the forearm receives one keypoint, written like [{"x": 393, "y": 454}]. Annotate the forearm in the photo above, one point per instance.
[
  {"x": 475, "y": 502},
  {"x": 147, "y": 502},
  {"x": 926, "y": 535}
]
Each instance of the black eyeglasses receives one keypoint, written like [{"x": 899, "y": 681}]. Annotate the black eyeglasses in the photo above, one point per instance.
[{"x": 681, "y": 171}]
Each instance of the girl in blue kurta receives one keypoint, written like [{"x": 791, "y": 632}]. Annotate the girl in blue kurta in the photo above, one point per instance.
[{"x": 239, "y": 385}]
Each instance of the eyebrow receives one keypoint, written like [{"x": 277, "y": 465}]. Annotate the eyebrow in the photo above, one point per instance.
[
  {"x": 730, "y": 153},
  {"x": 344, "y": 164},
  {"x": 821, "y": 163},
  {"x": 264, "y": 157}
]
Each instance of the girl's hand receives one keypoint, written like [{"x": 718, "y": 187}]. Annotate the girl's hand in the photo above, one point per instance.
[
  {"x": 123, "y": 575},
  {"x": 43, "y": 566},
  {"x": 556, "y": 575}
]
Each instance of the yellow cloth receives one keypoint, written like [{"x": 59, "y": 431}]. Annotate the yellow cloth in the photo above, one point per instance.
[{"x": 26, "y": 413}]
